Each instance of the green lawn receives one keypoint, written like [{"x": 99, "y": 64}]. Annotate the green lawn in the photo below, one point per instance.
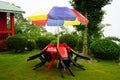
[{"x": 16, "y": 67}]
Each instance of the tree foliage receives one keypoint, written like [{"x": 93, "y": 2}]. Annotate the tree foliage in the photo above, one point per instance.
[
  {"x": 93, "y": 9},
  {"x": 23, "y": 26}
]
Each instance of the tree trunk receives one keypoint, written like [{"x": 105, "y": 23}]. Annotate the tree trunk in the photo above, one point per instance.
[
  {"x": 85, "y": 44},
  {"x": 85, "y": 39}
]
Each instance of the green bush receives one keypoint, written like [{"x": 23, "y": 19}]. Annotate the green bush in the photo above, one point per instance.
[
  {"x": 52, "y": 37},
  {"x": 31, "y": 45},
  {"x": 79, "y": 45},
  {"x": 105, "y": 49},
  {"x": 17, "y": 42},
  {"x": 69, "y": 39},
  {"x": 119, "y": 45},
  {"x": 54, "y": 41},
  {"x": 43, "y": 41}
]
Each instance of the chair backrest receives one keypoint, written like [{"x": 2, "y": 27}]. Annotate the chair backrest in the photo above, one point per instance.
[
  {"x": 62, "y": 50},
  {"x": 51, "y": 48}
]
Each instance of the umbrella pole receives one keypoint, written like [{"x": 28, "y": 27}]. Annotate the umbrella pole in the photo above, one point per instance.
[{"x": 58, "y": 35}]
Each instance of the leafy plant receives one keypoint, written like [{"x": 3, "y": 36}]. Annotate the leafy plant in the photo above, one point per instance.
[
  {"x": 30, "y": 45},
  {"x": 113, "y": 38},
  {"x": 105, "y": 49},
  {"x": 42, "y": 41},
  {"x": 17, "y": 42},
  {"x": 69, "y": 39}
]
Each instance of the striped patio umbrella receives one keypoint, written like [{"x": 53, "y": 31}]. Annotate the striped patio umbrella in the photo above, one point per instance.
[{"x": 57, "y": 16}]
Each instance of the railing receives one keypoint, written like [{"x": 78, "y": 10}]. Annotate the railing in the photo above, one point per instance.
[{"x": 4, "y": 35}]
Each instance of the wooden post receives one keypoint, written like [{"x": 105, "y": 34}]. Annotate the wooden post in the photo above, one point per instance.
[
  {"x": 3, "y": 26},
  {"x": 12, "y": 23},
  {"x": 3, "y": 21}
]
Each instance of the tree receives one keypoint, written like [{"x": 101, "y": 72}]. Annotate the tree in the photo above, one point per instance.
[
  {"x": 92, "y": 9},
  {"x": 23, "y": 27}
]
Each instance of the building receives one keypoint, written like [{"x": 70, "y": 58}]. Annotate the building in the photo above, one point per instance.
[{"x": 7, "y": 11}]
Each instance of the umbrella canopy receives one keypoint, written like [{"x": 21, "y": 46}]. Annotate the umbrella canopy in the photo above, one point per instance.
[{"x": 57, "y": 16}]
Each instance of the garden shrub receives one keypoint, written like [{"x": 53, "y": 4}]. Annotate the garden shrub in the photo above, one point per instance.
[
  {"x": 54, "y": 41},
  {"x": 119, "y": 45},
  {"x": 79, "y": 45},
  {"x": 52, "y": 37},
  {"x": 31, "y": 45},
  {"x": 43, "y": 41},
  {"x": 17, "y": 42},
  {"x": 105, "y": 49},
  {"x": 113, "y": 38},
  {"x": 69, "y": 39}
]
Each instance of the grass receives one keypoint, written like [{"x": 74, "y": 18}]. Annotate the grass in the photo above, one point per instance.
[{"x": 16, "y": 67}]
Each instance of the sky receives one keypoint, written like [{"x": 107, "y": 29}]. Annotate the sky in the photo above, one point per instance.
[{"x": 111, "y": 17}]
